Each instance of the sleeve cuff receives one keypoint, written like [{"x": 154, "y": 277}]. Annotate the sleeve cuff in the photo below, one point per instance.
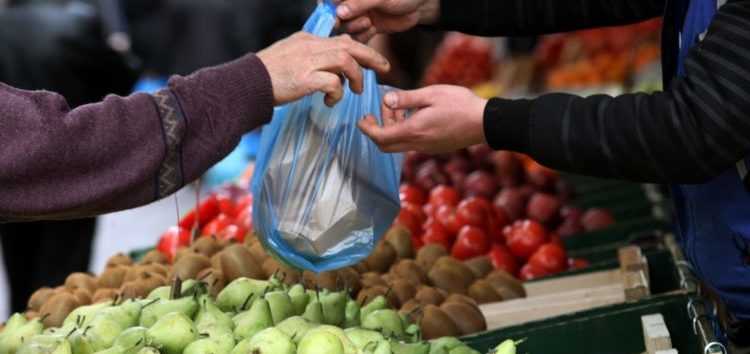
[
  {"x": 506, "y": 124},
  {"x": 248, "y": 82}
]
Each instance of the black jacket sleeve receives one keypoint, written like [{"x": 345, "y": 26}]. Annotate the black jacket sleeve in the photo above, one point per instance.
[
  {"x": 534, "y": 17},
  {"x": 691, "y": 133}
]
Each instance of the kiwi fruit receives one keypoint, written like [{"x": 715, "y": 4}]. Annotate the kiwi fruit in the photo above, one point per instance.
[
  {"x": 80, "y": 280},
  {"x": 207, "y": 246},
  {"x": 349, "y": 280},
  {"x": 480, "y": 266},
  {"x": 412, "y": 310},
  {"x": 258, "y": 252},
  {"x": 464, "y": 316},
  {"x": 188, "y": 266},
  {"x": 131, "y": 290},
  {"x": 237, "y": 262},
  {"x": 400, "y": 238},
  {"x": 155, "y": 256},
  {"x": 507, "y": 293},
  {"x": 82, "y": 296},
  {"x": 436, "y": 323},
  {"x": 403, "y": 290},
  {"x": 214, "y": 279},
  {"x": 449, "y": 280},
  {"x": 216, "y": 260},
  {"x": 427, "y": 255},
  {"x": 112, "y": 277},
  {"x": 39, "y": 297},
  {"x": 119, "y": 259},
  {"x": 181, "y": 252},
  {"x": 56, "y": 308},
  {"x": 104, "y": 294},
  {"x": 448, "y": 261},
  {"x": 325, "y": 280},
  {"x": 150, "y": 281},
  {"x": 381, "y": 258},
  {"x": 499, "y": 277},
  {"x": 463, "y": 299},
  {"x": 483, "y": 292},
  {"x": 361, "y": 268},
  {"x": 371, "y": 279},
  {"x": 31, "y": 314},
  {"x": 429, "y": 296},
  {"x": 408, "y": 269},
  {"x": 158, "y": 268}
]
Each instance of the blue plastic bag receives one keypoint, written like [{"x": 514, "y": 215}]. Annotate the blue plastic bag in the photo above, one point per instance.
[{"x": 324, "y": 194}]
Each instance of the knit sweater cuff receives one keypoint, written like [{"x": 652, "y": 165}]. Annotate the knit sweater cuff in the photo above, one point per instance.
[{"x": 506, "y": 124}]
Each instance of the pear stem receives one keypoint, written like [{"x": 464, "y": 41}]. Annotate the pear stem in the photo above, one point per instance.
[{"x": 176, "y": 288}]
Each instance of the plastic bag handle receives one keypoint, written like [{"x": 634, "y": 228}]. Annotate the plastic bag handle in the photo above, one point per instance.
[{"x": 322, "y": 20}]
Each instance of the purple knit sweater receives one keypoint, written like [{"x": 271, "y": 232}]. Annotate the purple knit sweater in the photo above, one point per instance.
[{"x": 123, "y": 152}]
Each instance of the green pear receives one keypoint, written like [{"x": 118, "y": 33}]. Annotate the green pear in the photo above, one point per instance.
[
  {"x": 240, "y": 293},
  {"x": 320, "y": 342},
  {"x": 280, "y": 304},
  {"x": 314, "y": 312},
  {"x": 362, "y": 337},
  {"x": 84, "y": 341},
  {"x": 299, "y": 298},
  {"x": 126, "y": 314},
  {"x": 148, "y": 350},
  {"x": 295, "y": 327},
  {"x": 190, "y": 287},
  {"x": 45, "y": 344},
  {"x": 351, "y": 314},
  {"x": 256, "y": 319},
  {"x": 173, "y": 332},
  {"x": 348, "y": 346},
  {"x": 386, "y": 322},
  {"x": 133, "y": 337},
  {"x": 463, "y": 349},
  {"x": 162, "y": 292},
  {"x": 444, "y": 345},
  {"x": 204, "y": 346},
  {"x": 15, "y": 322},
  {"x": 83, "y": 315},
  {"x": 20, "y": 331},
  {"x": 506, "y": 347},
  {"x": 377, "y": 347},
  {"x": 334, "y": 308},
  {"x": 378, "y": 303},
  {"x": 270, "y": 341},
  {"x": 209, "y": 314},
  {"x": 413, "y": 333},
  {"x": 410, "y": 348},
  {"x": 107, "y": 328},
  {"x": 152, "y": 313}
]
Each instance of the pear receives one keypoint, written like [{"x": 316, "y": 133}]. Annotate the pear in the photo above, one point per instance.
[
  {"x": 334, "y": 307},
  {"x": 15, "y": 322},
  {"x": 83, "y": 315},
  {"x": 299, "y": 298},
  {"x": 387, "y": 322},
  {"x": 314, "y": 312},
  {"x": 126, "y": 314},
  {"x": 320, "y": 342},
  {"x": 134, "y": 337},
  {"x": 348, "y": 346},
  {"x": 84, "y": 341},
  {"x": 253, "y": 321},
  {"x": 280, "y": 304},
  {"x": 463, "y": 349},
  {"x": 107, "y": 327},
  {"x": 413, "y": 332},
  {"x": 45, "y": 344},
  {"x": 295, "y": 327},
  {"x": 271, "y": 341},
  {"x": 351, "y": 314},
  {"x": 148, "y": 350},
  {"x": 209, "y": 314},
  {"x": 20, "y": 331},
  {"x": 378, "y": 303},
  {"x": 444, "y": 345},
  {"x": 506, "y": 347},
  {"x": 162, "y": 292},
  {"x": 235, "y": 295},
  {"x": 410, "y": 348},
  {"x": 362, "y": 337},
  {"x": 377, "y": 347},
  {"x": 204, "y": 346},
  {"x": 173, "y": 332},
  {"x": 152, "y": 313}
]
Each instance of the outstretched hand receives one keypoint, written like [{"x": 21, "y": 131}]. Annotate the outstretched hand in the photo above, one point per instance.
[{"x": 363, "y": 19}]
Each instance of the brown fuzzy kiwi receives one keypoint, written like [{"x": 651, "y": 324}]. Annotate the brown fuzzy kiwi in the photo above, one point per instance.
[
  {"x": 131, "y": 290},
  {"x": 449, "y": 280},
  {"x": 82, "y": 296},
  {"x": 483, "y": 293},
  {"x": 448, "y": 261},
  {"x": 361, "y": 268},
  {"x": 464, "y": 317},
  {"x": 427, "y": 255},
  {"x": 56, "y": 308},
  {"x": 150, "y": 281},
  {"x": 271, "y": 266},
  {"x": 155, "y": 256},
  {"x": 371, "y": 279},
  {"x": 104, "y": 294},
  {"x": 119, "y": 259},
  {"x": 381, "y": 258},
  {"x": 134, "y": 273},
  {"x": 428, "y": 295},
  {"x": 181, "y": 252},
  {"x": 237, "y": 262},
  {"x": 39, "y": 297},
  {"x": 403, "y": 290},
  {"x": 214, "y": 279},
  {"x": 480, "y": 266},
  {"x": 365, "y": 296},
  {"x": 325, "y": 280},
  {"x": 412, "y": 310},
  {"x": 250, "y": 238},
  {"x": 158, "y": 268},
  {"x": 79, "y": 280},
  {"x": 506, "y": 292},
  {"x": 112, "y": 277},
  {"x": 207, "y": 246},
  {"x": 189, "y": 265},
  {"x": 408, "y": 269},
  {"x": 258, "y": 252},
  {"x": 31, "y": 314},
  {"x": 349, "y": 280},
  {"x": 436, "y": 323},
  {"x": 388, "y": 278},
  {"x": 400, "y": 238},
  {"x": 216, "y": 260},
  {"x": 463, "y": 299},
  {"x": 501, "y": 277}
]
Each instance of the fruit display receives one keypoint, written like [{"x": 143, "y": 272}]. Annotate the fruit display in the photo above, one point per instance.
[
  {"x": 500, "y": 205},
  {"x": 461, "y": 60},
  {"x": 246, "y": 316}
]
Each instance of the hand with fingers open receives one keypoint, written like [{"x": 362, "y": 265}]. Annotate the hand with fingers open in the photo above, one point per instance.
[
  {"x": 443, "y": 119},
  {"x": 363, "y": 19}
]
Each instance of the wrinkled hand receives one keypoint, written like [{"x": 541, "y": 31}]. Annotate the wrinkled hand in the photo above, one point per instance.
[
  {"x": 446, "y": 118},
  {"x": 303, "y": 64},
  {"x": 365, "y": 18}
]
